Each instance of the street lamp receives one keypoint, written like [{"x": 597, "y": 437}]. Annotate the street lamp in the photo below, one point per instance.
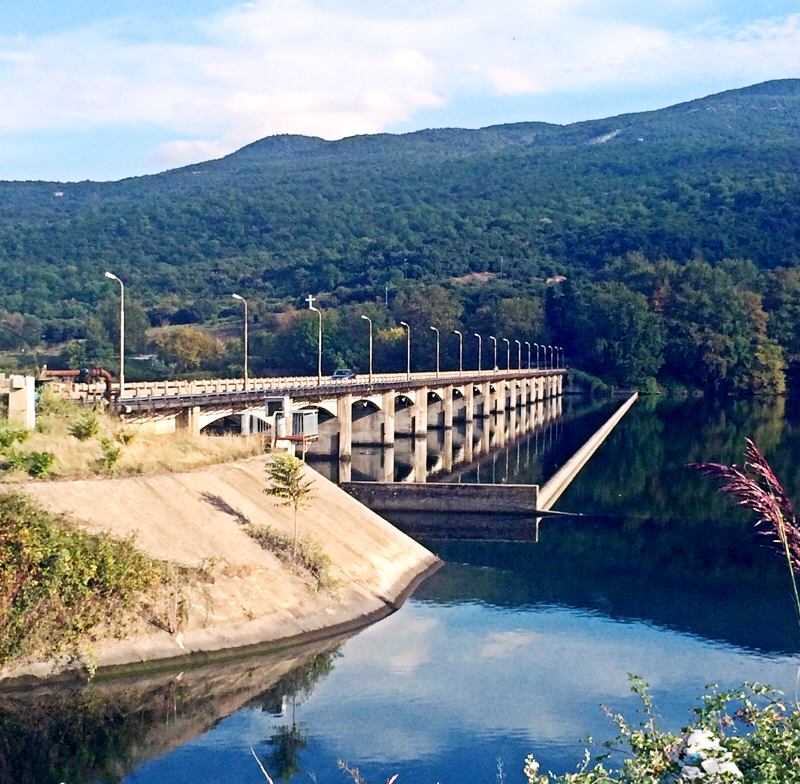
[
  {"x": 408, "y": 349},
  {"x": 550, "y": 366},
  {"x": 310, "y": 301},
  {"x": 479, "y": 350},
  {"x": 112, "y": 276},
  {"x": 508, "y": 353},
  {"x": 367, "y": 318},
  {"x": 460, "y": 350},
  {"x": 529, "y": 354},
  {"x": 236, "y": 296},
  {"x": 537, "y": 355},
  {"x": 437, "y": 350},
  {"x": 519, "y": 355},
  {"x": 494, "y": 340}
]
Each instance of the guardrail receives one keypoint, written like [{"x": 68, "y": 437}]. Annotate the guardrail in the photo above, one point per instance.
[{"x": 200, "y": 391}]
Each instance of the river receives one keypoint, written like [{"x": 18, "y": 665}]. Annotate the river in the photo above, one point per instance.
[{"x": 510, "y": 649}]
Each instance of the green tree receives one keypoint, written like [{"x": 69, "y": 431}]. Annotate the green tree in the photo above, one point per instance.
[
  {"x": 188, "y": 348},
  {"x": 136, "y": 322},
  {"x": 611, "y": 331},
  {"x": 289, "y": 485}
]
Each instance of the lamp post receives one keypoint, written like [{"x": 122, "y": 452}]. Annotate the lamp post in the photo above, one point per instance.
[
  {"x": 527, "y": 343},
  {"x": 494, "y": 341},
  {"x": 112, "y": 276},
  {"x": 479, "y": 350},
  {"x": 310, "y": 301},
  {"x": 437, "y": 350},
  {"x": 550, "y": 365},
  {"x": 408, "y": 349},
  {"x": 537, "y": 355},
  {"x": 367, "y": 318},
  {"x": 460, "y": 350},
  {"x": 508, "y": 353},
  {"x": 519, "y": 355},
  {"x": 236, "y": 296}
]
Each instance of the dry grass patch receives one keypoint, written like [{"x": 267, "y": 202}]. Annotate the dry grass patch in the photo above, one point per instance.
[{"x": 82, "y": 450}]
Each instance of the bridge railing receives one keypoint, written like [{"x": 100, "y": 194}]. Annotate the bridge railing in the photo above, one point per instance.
[{"x": 147, "y": 389}]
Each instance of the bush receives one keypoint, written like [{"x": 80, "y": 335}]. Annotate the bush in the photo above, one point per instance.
[
  {"x": 39, "y": 463},
  {"x": 9, "y": 436},
  {"x": 59, "y": 584},
  {"x": 111, "y": 453},
  {"x": 747, "y": 735},
  {"x": 86, "y": 427},
  {"x": 32, "y": 463}
]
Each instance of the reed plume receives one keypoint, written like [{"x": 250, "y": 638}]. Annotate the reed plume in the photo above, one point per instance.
[{"x": 754, "y": 486}]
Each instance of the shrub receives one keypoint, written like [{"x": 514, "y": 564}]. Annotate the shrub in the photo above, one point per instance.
[
  {"x": 86, "y": 427},
  {"x": 59, "y": 584},
  {"x": 33, "y": 463},
  {"x": 39, "y": 463},
  {"x": 9, "y": 436},
  {"x": 111, "y": 453},
  {"x": 746, "y": 735}
]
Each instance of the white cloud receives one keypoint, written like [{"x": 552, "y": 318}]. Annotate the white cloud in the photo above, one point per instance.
[{"x": 334, "y": 68}]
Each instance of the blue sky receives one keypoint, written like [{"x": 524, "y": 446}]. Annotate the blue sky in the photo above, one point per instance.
[{"x": 106, "y": 89}]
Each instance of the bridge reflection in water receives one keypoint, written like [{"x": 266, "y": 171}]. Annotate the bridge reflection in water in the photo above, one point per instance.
[{"x": 522, "y": 445}]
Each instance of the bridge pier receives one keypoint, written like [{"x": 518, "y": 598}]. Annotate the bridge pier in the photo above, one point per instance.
[
  {"x": 469, "y": 440},
  {"x": 469, "y": 402},
  {"x": 419, "y": 413},
  {"x": 447, "y": 398},
  {"x": 189, "y": 419},
  {"x": 387, "y": 456},
  {"x": 344, "y": 413},
  {"x": 388, "y": 407},
  {"x": 447, "y": 454},
  {"x": 420, "y": 459}
]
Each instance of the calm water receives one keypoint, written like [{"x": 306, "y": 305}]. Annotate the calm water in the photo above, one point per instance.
[{"x": 509, "y": 649}]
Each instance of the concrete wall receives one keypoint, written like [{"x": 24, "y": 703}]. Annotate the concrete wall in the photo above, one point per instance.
[{"x": 497, "y": 499}]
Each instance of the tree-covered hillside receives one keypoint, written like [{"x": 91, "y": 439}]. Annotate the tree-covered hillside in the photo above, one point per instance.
[{"x": 382, "y": 218}]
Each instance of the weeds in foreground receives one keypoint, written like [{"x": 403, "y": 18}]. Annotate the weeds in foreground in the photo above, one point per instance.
[
  {"x": 749, "y": 735},
  {"x": 304, "y": 553},
  {"x": 754, "y": 486}
]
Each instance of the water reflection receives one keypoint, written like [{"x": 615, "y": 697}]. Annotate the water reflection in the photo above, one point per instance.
[
  {"x": 508, "y": 650},
  {"x": 525, "y": 445},
  {"x": 104, "y": 730}
]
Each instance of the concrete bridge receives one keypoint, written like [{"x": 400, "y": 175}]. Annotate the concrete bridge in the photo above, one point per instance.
[{"x": 367, "y": 409}]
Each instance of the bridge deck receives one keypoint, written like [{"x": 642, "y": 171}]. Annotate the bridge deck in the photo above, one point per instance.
[{"x": 307, "y": 388}]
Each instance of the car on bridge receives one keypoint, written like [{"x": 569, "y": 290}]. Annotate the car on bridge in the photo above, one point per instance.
[{"x": 341, "y": 374}]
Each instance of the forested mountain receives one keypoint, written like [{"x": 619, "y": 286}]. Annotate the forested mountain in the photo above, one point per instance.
[{"x": 686, "y": 219}]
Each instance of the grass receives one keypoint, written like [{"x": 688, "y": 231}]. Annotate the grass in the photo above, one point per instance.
[
  {"x": 80, "y": 450},
  {"x": 303, "y": 553}
]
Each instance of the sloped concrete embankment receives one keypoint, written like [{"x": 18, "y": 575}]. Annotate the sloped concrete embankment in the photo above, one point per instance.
[{"x": 196, "y": 519}]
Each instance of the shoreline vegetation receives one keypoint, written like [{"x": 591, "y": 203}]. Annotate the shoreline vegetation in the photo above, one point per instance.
[{"x": 147, "y": 547}]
